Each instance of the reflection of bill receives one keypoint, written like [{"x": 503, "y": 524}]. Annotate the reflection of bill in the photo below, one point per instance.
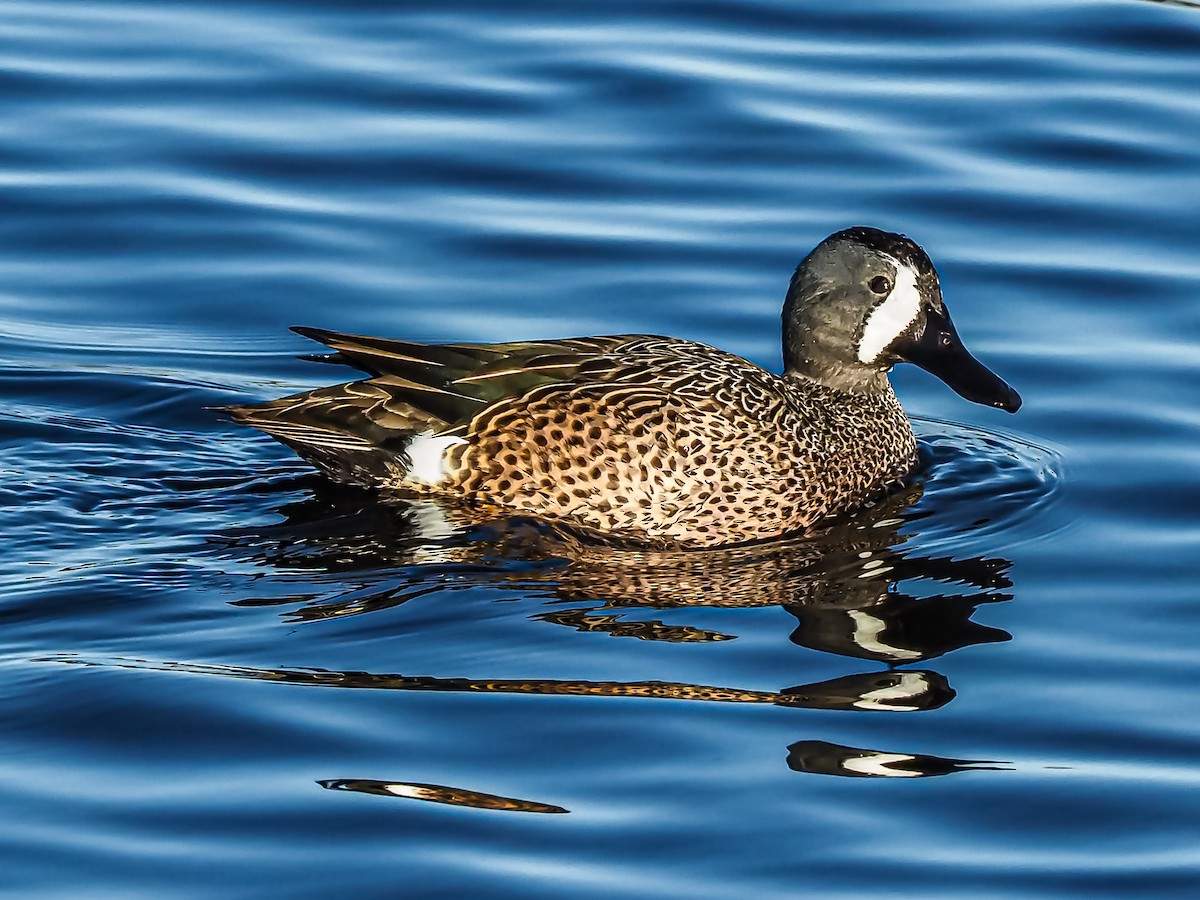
[{"x": 823, "y": 758}]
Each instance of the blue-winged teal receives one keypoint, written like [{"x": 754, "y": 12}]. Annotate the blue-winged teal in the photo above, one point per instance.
[{"x": 656, "y": 439}]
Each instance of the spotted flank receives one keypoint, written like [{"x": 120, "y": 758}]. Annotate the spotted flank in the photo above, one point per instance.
[{"x": 654, "y": 439}]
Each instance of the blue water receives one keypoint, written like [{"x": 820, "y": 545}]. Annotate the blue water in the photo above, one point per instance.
[{"x": 222, "y": 677}]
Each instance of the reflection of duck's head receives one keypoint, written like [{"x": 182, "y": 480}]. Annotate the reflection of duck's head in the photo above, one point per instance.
[
  {"x": 897, "y": 628},
  {"x": 824, "y": 758},
  {"x": 907, "y": 690}
]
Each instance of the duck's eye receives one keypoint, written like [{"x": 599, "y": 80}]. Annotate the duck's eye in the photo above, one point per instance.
[{"x": 880, "y": 284}]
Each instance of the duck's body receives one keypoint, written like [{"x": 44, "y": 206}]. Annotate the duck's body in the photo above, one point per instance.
[{"x": 651, "y": 438}]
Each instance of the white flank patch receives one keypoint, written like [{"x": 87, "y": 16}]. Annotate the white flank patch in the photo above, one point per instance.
[
  {"x": 892, "y": 316},
  {"x": 911, "y": 684},
  {"x": 427, "y": 456},
  {"x": 880, "y": 764}
]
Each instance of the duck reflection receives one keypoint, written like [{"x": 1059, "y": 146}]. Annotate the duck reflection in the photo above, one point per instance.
[
  {"x": 897, "y": 691},
  {"x": 858, "y": 589},
  {"x": 907, "y": 691},
  {"x": 854, "y": 589}
]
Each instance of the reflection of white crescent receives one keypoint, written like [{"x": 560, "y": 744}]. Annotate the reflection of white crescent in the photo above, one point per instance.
[
  {"x": 867, "y": 629},
  {"x": 911, "y": 683},
  {"x": 879, "y": 764}
]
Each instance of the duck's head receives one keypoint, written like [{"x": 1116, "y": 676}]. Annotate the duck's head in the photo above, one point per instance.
[{"x": 864, "y": 300}]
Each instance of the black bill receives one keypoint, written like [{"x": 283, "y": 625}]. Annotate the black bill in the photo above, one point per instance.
[{"x": 939, "y": 351}]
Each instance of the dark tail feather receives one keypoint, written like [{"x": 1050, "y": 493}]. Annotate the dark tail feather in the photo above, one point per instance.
[{"x": 331, "y": 434}]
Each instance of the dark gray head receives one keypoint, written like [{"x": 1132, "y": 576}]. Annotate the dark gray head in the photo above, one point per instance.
[{"x": 866, "y": 299}]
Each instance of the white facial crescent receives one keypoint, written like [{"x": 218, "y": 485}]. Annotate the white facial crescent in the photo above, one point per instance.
[{"x": 891, "y": 317}]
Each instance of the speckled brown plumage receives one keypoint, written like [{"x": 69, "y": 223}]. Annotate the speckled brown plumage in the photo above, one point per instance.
[
  {"x": 654, "y": 439},
  {"x": 670, "y": 439}
]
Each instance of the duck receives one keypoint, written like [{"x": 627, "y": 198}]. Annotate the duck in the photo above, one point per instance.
[{"x": 655, "y": 440}]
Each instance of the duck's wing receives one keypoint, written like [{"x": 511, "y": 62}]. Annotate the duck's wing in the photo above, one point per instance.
[
  {"x": 352, "y": 430},
  {"x": 444, "y": 386}
]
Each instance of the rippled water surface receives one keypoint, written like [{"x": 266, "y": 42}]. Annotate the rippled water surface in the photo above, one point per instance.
[{"x": 223, "y": 677}]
